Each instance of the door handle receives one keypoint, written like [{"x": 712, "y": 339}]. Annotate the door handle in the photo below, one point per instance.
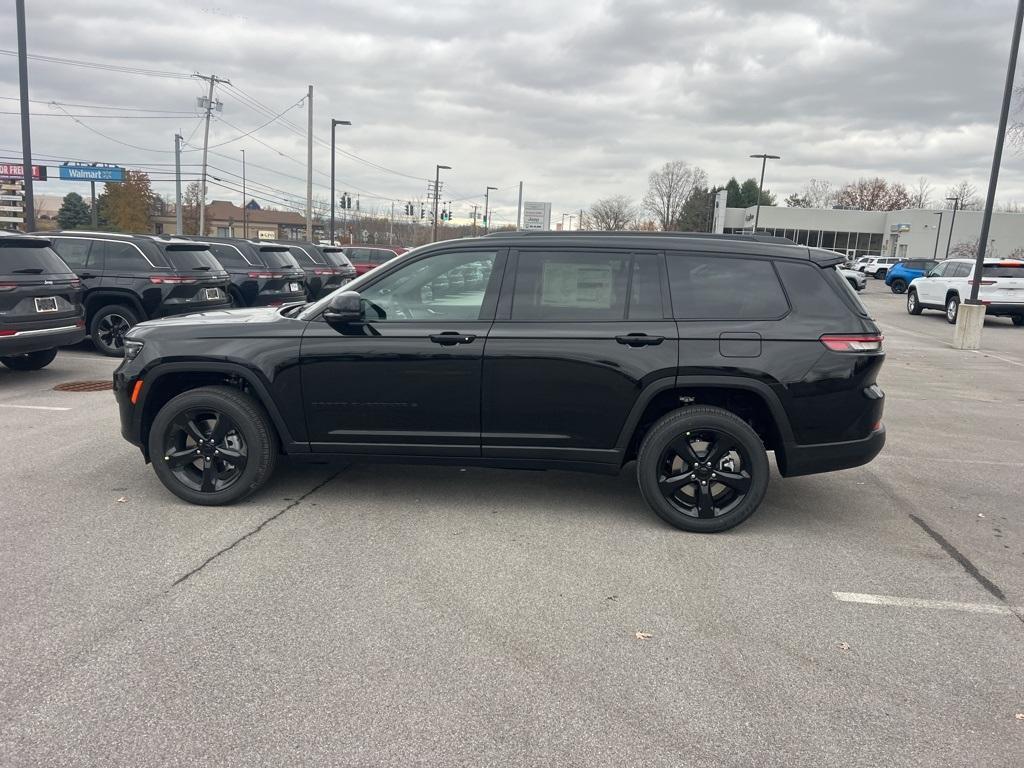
[
  {"x": 451, "y": 338},
  {"x": 639, "y": 340}
]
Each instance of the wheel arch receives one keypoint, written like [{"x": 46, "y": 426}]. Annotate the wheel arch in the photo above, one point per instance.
[{"x": 105, "y": 297}]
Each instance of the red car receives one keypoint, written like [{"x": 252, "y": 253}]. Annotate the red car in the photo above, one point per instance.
[{"x": 365, "y": 259}]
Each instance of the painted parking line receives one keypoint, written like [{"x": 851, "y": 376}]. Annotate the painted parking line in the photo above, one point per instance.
[
  {"x": 916, "y": 602},
  {"x": 35, "y": 407}
]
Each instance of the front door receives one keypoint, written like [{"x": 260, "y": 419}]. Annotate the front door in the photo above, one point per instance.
[
  {"x": 579, "y": 332},
  {"x": 407, "y": 380},
  {"x": 932, "y": 289}
]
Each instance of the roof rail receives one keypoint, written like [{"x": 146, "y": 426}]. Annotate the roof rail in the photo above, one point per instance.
[{"x": 755, "y": 238}]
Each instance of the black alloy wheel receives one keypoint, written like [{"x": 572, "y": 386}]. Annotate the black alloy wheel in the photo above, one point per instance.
[
  {"x": 108, "y": 327},
  {"x": 205, "y": 450},
  {"x": 704, "y": 473}
]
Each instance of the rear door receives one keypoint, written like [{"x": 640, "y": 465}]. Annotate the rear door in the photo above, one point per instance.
[{"x": 578, "y": 335}]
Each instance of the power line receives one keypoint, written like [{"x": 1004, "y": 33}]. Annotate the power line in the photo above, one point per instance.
[
  {"x": 257, "y": 128},
  {"x": 97, "y": 65},
  {"x": 118, "y": 117},
  {"x": 100, "y": 106}
]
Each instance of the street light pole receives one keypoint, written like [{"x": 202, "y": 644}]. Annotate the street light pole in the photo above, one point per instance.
[
  {"x": 177, "y": 189},
  {"x": 437, "y": 193},
  {"x": 935, "y": 251},
  {"x": 952, "y": 223},
  {"x": 334, "y": 124},
  {"x": 245, "y": 206},
  {"x": 487, "y": 201},
  {"x": 760, "y": 186},
  {"x": 26, "y": 141}
]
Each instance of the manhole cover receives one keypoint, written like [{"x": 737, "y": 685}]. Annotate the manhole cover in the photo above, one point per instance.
[{"x": 84, "y": 386}]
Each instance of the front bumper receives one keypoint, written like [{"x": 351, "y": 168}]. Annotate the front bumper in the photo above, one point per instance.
[
  {"x": 36, "y": 339},
  {"x": 795, "y": 460}
]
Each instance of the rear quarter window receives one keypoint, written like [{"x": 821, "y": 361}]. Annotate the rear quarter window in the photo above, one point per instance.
[
  {"x": 816, "y": 292},
  {"x": 724, "y": 288},
  {"x": 73, "y": 250}
]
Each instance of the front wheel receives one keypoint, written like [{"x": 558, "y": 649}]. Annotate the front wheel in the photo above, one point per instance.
[
  {"x": 702, "y": 469},
  {"x": 913, "y": 303},
  {"x": 108, "y": 327},
  {"x": 898, "y": 285},
  {"x": 31, "y": 361},
  {"x": 952, "y": 309},
  {"x": 212, "y": 445}
]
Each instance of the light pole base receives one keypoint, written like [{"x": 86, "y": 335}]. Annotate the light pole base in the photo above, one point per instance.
[{"x": 970, "y": 319}]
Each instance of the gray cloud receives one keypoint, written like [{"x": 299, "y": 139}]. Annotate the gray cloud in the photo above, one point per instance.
[{"x": 580, "y": 100}]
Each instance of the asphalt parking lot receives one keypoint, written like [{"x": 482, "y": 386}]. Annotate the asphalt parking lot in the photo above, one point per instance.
[{"x": 438, "y": 616}]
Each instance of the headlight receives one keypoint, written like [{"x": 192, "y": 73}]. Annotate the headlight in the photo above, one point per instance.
[{"x": 132, "y": 347}]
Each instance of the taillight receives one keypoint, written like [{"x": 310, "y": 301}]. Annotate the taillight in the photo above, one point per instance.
[
  {"x": 323, "y": 272},
  {"x": 7, "y": 333},
  {"x": 858, "y": 343},
  {"x": 76, "y": 283},
  {"x": 8, "y": 286},
  {"x": 981, "y": 282},
  {"x": 266, "y": 275},
  {"x": 173, "y": 280}
]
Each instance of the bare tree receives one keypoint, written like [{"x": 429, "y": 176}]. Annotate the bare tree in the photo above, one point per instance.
[
  {"x": 875, "y": 194},
  {"x": 967, "y": 194},
  {"x": 668, "y": 190},
  {"x": 965, "y": 249},
  {"x": 612, "y": 213},
  {"x": 190, "y": 202},
  {"x": 921, "y": 195}
]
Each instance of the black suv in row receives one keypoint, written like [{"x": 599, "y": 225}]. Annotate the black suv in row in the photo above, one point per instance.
[
  {"x": 131, "y": 278},
  {"x": 692, "y": 355},
  {"x": 40, "y": 303},
  {"x": 326, "y": 267},
  {"x": 262, "y": 273}
]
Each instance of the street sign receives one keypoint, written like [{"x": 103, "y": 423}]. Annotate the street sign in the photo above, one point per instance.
[
  {"x": 71, "y": 172},
  {"x": 536, "y": 215},
  {"x": 15, "y": 172}
]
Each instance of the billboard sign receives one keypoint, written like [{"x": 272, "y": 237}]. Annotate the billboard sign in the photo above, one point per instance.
[
  {"x": 8, "y": 171},
  {"x": 72, "y": 172},
  {"x": 536, "y": 216}
]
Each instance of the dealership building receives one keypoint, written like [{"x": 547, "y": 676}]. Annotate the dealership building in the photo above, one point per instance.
[{"x": 911, "y": 233}]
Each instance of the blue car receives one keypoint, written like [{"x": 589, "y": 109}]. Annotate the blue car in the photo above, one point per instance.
[{"x": 899, "y": 275}]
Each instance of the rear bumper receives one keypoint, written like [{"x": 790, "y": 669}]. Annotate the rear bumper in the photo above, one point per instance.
[
  {"x": 1002, "y": 309},
  {"x": 795, "y": 460},
  {"x": 36, "y": 339}
]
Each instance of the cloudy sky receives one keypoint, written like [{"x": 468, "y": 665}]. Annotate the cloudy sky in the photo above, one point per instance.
[{"x": 578, "y": 99}]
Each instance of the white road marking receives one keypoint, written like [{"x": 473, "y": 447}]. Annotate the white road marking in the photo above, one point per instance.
[
  {"x": 956, "y": 461},
  {"x": 35, "y": 407},
  {"x": 997, "y": 357},
  {"x": 915, "y": 602}
]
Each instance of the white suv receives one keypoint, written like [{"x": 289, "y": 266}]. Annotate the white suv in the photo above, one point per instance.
[
  {"x": 949, "y": 282},
  {"x": 877, "y": 266}
]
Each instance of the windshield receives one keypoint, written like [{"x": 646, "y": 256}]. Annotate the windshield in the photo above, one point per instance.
[
  {"x": 278, "y": 259},
  {"x": 24, "y": 259},
  {"x": 1003, "y": 270},
  {"x": 190, "y": 258}
]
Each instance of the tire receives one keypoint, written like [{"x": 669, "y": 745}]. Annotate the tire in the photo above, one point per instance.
[
  {"x": 879, "y": 274},
  {"x": 952, "y": 308},
  {"x": 699, "y": 428},
  {"x": 898, "y": 285},
  {"x": 853, "y": 284},
  {"x": 108, "y": 326},
  {"x": 236, "y": 299},
  {"x": 247, "y": 433},
  {"x": 913, "y": 304},
  {"x": 1018, "y": 319},
  {"x": 32, "y": 361}
]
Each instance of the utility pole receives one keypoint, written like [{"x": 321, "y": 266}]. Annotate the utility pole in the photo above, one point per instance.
[
  {"x": 391, "y": 225},
  {"x": 309, "y": 169},
  {"x": 206, "y": 145},
  {"x": 177, "y": 188},
  {"x": 519, "y": 210},
  {"x": 245, "y": 205},
  {"x": 474, "y": 219},
  {"x": 487, "y": 206},
  {"x": 26, "y": 140}
]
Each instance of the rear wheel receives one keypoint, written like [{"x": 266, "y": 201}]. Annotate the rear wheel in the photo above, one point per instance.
[
  {"x": 31, "y": 361},
  {"x": 702, "y": 469},
  {"x": 898, "y": 285},
  {"x": 212, "y": 445},
  {"x": 879, "y": 274},
  {"x": 913, "y": 304},
  {"x": 108, "y": 327},
  {"x": 952, "y": 308}
]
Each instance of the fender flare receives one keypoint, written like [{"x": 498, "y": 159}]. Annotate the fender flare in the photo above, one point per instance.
[{"x": 102, "y": 297}]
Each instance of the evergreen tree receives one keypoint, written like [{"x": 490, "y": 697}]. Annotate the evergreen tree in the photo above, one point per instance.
[{"x": 73, "y": 212}]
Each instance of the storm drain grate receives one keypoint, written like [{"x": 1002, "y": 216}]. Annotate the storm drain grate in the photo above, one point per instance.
[{"x": 84, "y": 386}]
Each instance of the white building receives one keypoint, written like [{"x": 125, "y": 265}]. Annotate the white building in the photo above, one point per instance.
[{"x": 914, "y": 233}]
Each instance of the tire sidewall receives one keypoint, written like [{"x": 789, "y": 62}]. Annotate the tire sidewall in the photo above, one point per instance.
[
  {"x": 913, "y": 303},
  {"x": 955, "y": 302},
  {"x": 258, "y": 442},
  {"x": 898, "y": 286},
  {"x": 693, "y": 419}
]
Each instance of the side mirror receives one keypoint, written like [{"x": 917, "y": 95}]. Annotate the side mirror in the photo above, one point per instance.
[{"x": 345, "y": 307}]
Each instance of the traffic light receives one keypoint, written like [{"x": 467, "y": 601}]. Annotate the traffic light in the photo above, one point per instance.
[
  {"x": 485, "y": 219},
  {"x": 444, "y": 215}
]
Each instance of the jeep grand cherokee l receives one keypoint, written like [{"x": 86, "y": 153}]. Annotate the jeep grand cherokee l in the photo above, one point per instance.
[
  {"x": 691, "y": 355},
  {"x": 40, "y": 303},
  {"x": 262, "y": 274}
]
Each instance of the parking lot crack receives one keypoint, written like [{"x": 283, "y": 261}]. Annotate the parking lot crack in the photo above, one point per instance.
[
  {"x": 255, "y": 530},
  {"x": 966, "y": 564}
]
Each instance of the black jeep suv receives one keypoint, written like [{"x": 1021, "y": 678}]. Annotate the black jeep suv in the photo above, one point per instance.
[
  {"x": 131, "y": 278},
  {"x": 692, "y": 355},
  {"x": 40, "y": 303},
  {"x": 262, "y": 274},
  {"x": 326, "y": 267}
]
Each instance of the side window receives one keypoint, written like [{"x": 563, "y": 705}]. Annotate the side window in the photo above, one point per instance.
[
  {"x": 964, "y": 270},
  {"x": 724, "y": 288},
  {"x": 227, "y": 256},
  {"x": 940, "y": 269},
  {"x": 571, "y": 286},
  {"x": 444, "y": 287},
  {"x": 122, "y": 257},
  {"x": 74, "y": 251}
]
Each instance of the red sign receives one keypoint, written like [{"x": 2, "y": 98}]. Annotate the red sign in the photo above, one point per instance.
[{"x": 15, "y": 172}]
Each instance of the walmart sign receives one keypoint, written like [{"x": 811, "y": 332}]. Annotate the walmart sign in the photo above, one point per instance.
[{"x": 91, "y": 173}]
